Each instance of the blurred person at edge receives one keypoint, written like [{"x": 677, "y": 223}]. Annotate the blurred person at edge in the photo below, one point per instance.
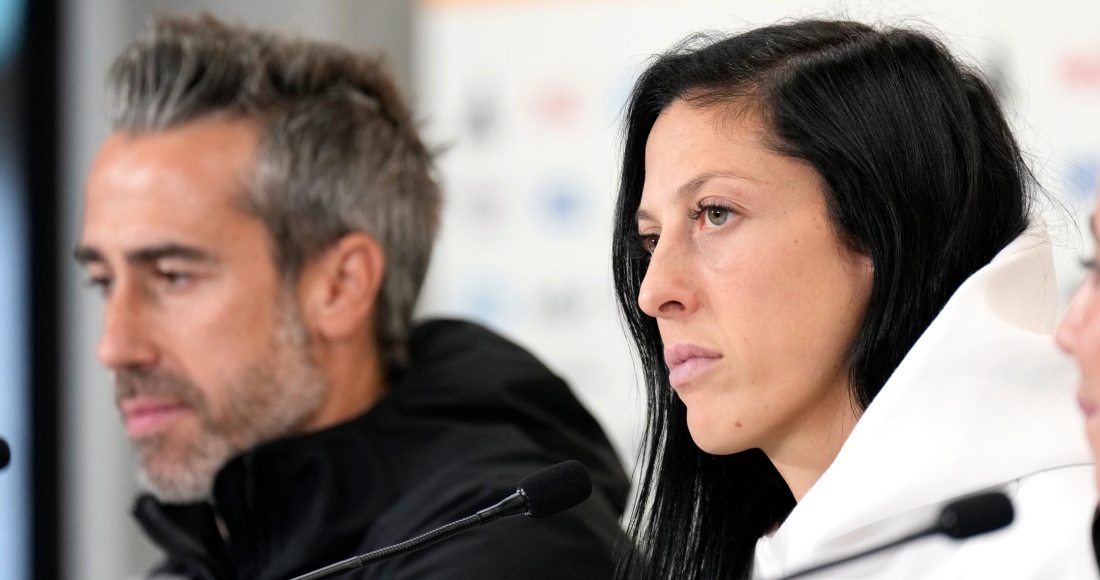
[
  {"x": 825, "y": 252},
  {"x": 260, "y": 222},
  {"x": 1079, "y": 335}
]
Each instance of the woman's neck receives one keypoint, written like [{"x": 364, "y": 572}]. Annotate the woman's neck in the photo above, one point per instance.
[{"x": 814, "y": 439}]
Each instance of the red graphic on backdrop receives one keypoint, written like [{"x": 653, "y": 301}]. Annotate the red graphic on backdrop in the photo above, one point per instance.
[
  {"x": 558, "y": 106},
  {"x": 1081, "y": 70}
]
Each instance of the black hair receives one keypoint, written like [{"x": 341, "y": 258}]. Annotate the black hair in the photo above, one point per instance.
[{"x": 921, "y": 174}]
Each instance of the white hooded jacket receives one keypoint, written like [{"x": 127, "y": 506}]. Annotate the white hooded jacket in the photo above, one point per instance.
[{"x": 983, "y": 400}]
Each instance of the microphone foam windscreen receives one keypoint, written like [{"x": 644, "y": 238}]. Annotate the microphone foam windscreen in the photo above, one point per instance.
[
  {"x": 976, "y": 515},
  {"x": 556, "y": 488}
]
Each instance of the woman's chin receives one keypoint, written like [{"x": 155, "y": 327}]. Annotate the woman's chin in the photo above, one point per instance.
[{"x": 718, "y": 437}]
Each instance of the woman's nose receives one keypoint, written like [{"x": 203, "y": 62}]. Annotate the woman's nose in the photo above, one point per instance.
[{"x": 667, "y": 290}]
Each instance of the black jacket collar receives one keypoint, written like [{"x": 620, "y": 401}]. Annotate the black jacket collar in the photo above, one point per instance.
[
  {"x": 280, "y": 500},
  {"x": 300, "y": 503},
  {"x": 276, "y": 503}
]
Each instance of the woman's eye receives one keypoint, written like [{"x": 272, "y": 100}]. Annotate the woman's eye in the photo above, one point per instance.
[
  {"x": 717, "y": 216},
  {"x": 649, "y": 243}
]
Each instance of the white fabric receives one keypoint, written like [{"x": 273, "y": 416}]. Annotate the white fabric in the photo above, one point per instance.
[{"x": 984, "y": 399}]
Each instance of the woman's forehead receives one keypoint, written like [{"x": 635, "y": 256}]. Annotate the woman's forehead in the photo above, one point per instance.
[{"x": 692, "y": 150}]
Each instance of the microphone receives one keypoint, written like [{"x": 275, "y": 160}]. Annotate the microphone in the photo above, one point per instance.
[
  {"x": 543, "y": 493},
  {"x": 5, "y": 454},
  {"x": 963, "y": 518}
]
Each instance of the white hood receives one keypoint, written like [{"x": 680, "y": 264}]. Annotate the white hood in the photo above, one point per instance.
[{"x": 983, "y": 399}]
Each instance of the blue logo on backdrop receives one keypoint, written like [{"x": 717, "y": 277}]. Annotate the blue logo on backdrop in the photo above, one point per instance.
[
  {"x": 485, "y": 299},
  {"x": 561, "y": 203},
  {"x": 1083, "y": 180}
]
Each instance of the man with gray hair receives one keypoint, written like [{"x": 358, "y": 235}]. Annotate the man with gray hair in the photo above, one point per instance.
[{"x": 259, "y": 222}]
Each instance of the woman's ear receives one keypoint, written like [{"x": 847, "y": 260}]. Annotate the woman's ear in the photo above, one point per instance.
[{"x": 338, "y": 289}]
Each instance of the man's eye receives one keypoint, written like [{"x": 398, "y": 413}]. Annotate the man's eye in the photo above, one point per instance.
[
  {"x": 174, "y": 278},
  {"x": 649, "y": 243},
  {"x": 102, "y": 283}
]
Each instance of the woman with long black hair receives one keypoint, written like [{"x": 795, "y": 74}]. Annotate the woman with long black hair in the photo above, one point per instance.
[{"x": 825, "y": 255}]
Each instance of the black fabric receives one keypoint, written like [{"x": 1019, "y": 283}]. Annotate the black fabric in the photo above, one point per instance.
[
  {"x": 1096, "y": 536},
  {"x": 472, "y": 416}
]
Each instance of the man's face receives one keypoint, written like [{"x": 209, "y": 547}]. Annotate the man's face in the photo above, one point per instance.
[{"x": 209, "y": 355}]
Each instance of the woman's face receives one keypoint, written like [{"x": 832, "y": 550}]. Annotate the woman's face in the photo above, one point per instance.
[
  {"x": 757, "y": 300},
  {"x": 1079, "y": 335}
]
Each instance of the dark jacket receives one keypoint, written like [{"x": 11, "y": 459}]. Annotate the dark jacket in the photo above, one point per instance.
[
  {"x": 1096, "y": 536},
  {"x": 472, "y": 416}
]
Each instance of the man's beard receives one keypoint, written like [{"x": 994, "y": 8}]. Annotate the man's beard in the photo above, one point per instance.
[{"x": 265, "y": 401}]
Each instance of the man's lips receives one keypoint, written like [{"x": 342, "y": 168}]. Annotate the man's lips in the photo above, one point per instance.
[
  {"x": 688, "y": 361},
  {"x": 146, "y": 416}
]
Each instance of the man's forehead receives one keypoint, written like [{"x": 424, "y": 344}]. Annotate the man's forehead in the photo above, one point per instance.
[
  {"x": 199, "y": 162},
  {"x": 219, "y": 154},
  {"x": 184, "y": 186}
]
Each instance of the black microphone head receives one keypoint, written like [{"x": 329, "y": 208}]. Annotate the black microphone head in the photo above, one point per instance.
[
  {"x": 5, "y": 454},
  {"x": 976, "y": 515},
  {"x": 556, "y": 488}
]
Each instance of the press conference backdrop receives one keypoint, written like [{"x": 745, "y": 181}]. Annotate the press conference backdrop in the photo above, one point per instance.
[{"x": 524, "y": 99}]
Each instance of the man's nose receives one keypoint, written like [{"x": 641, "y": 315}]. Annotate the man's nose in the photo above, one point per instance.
[
  {"x": 126, "y": 340},
  {"x": 668, "y": 290}
]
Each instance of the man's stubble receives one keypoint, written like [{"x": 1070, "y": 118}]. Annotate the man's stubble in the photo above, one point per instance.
[{"x": 266, "y": 400}]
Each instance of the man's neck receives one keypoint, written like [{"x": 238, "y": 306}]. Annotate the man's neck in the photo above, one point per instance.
[{"x": 356, "y": 383}]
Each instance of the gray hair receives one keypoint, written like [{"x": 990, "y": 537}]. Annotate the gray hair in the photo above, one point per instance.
[{"x": 339, "y": 152}]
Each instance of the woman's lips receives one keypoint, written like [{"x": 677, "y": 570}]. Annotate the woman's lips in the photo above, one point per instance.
[
  {"x": 688, "y": 361},
  {"x": 145, "y": 417}
]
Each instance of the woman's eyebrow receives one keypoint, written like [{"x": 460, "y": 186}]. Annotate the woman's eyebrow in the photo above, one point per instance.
[{"x": 687, "y": 190}]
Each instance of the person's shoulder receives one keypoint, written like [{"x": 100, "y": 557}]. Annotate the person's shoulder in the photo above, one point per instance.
[
  {"x": 452, "y": 342},
  {"x": 490, "y": 402},
  {"x": 578, "y": 543},
  {"x": 462, "y": 365}
]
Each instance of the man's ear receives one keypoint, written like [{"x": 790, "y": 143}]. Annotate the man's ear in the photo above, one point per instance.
[{"x": 338, "y": 289}]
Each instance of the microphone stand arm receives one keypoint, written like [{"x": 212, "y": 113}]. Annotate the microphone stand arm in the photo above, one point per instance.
[{"x": 513, "y": 505}]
